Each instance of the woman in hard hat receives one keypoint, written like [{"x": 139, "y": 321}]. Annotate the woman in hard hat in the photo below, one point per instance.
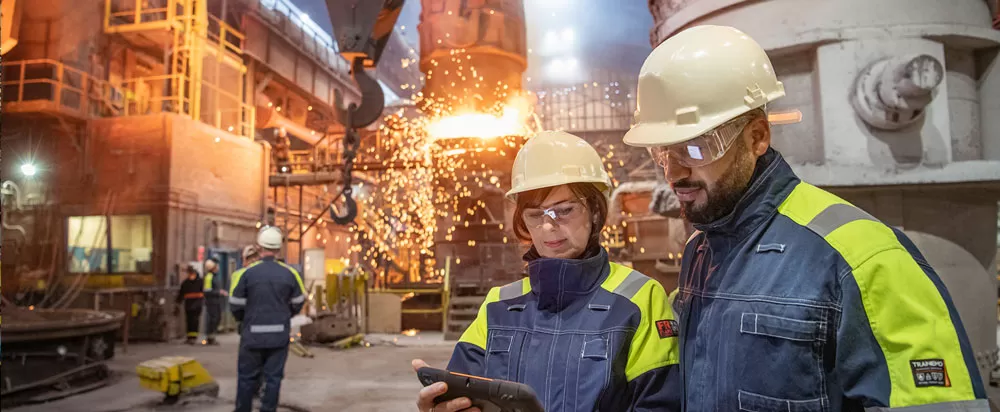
[{"x": 582, "y": 332}]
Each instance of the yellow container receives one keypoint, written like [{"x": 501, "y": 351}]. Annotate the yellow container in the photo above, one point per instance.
[{"x": 175, "y": 376}]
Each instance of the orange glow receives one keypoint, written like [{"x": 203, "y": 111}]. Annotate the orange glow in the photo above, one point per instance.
[
  {"x": 466, "y": 123},
  {"x": 785, "y": 117}
]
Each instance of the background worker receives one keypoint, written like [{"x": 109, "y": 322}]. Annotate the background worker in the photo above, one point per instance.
[
  {"x": 582, "y": 332},
  {"x": 789, "y": 297},
  {"x": 251, "y": 255},
  {"x": 192, "y": 296},
  {"x": 214, "y": 294},
  {"x": 265, "y": 298}
]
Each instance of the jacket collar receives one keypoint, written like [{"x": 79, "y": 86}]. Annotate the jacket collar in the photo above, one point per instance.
[
  {"x": 559, "y": 282},
  {"x": 771, "y": 183}
]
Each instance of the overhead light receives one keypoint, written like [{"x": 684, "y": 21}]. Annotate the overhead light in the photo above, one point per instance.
[{"x": 29, "y": 169}]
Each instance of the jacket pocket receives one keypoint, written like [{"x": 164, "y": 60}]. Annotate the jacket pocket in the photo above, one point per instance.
[
  {"x": 594, "y": 369},
  {"x": 498, "y": 354},
  {"x": 782, "y": 327},
  {"x": 788, "y": 343},
  {"x": 753, "y": 402}
]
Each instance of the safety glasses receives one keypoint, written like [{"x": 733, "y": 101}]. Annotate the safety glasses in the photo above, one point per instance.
[
  {"x": 704, "y": 149},
  {"x": 560, "y": 213}
]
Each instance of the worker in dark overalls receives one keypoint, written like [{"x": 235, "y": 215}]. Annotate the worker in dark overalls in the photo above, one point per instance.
[
  {"x": 192, "y": 295},
  {"x": 264, "y": 300},
  {"x": 214, "y": 294}
]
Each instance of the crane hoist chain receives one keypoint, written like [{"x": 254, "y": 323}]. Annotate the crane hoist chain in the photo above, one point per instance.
[
  {"x": 362, "y": 29},
  {"x": 355, "y": 117}
]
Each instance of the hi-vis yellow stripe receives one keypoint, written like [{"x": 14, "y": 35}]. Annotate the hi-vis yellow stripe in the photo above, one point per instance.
[{"x": 906, "y": 313}]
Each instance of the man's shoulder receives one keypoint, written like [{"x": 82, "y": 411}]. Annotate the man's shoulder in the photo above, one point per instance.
[{"x": 816, "y": 216}]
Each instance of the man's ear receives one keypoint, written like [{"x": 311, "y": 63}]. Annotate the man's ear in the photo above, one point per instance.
[{"x": 759, "y": 131}]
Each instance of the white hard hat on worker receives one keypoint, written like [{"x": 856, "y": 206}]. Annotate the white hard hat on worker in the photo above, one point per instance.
[
  {"x": 694, "y": 89},
  {"x": 269, "y": 237},
  {"x": 553, "y": 158},
  {"x": 561, "y": 191}
]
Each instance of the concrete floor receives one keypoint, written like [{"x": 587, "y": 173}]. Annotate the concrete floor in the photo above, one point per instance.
[
  {"x": 376, "y": 378},
  {"x": 372, "y": 379}
]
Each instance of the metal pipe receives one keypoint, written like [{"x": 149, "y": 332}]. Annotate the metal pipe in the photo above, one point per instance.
[{"x": 269, "y": 118}]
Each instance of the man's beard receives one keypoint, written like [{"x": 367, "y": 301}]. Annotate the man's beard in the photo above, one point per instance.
[{"x": 728, "y": 191}]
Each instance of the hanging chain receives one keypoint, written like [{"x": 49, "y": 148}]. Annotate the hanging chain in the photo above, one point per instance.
[{"x": 351, "y": 143}]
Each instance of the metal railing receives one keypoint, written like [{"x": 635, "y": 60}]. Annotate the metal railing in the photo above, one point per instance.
[
  {"x": 185, "y": 92},
  {"x": 304, "y": 31},
  {"x": 226, "y": 36},
  {"x": 134, "y": 15},
  {"x": 444, "y": 289},
  {"x": 74, "y": 92},
  {"x": 71, "y": 91}
]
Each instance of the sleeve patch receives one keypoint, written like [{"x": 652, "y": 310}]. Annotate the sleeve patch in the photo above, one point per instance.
[
  {"x": 666, "y": 328},
  {"x": 929, "y": 372}
]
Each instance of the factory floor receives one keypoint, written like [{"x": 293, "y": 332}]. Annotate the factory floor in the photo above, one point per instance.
[
  {"x": 376, "y": 378},
  {"x": 361, "y": 379}
]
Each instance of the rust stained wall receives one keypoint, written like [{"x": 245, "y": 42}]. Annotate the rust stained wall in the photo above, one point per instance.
[
  {"x": 171, "y": 168},
  {"x": 227, "y": 175}
]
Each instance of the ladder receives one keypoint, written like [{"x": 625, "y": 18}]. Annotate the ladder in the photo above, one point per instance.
[{"x": 187, "y": 57}]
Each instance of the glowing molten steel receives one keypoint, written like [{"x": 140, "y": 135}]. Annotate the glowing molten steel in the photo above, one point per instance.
[{"x": 465, "y": 124}]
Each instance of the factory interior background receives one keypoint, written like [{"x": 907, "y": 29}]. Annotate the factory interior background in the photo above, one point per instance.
[{"x": 143, "y": 137}]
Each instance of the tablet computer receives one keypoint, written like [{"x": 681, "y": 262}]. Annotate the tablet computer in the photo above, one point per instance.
[{"x": 490, "y": 395}]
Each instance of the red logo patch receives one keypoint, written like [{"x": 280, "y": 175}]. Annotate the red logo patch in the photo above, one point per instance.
[{"x": 666, "y": 328}]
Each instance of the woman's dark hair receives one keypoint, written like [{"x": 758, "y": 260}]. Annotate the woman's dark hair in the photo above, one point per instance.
[{"x": 594, "y": 199}]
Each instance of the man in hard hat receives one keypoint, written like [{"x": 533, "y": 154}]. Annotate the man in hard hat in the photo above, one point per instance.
[
  {"x": 789, "y": 297},
  {"x": 192, "y": 295},
  {"x": 251, "y": 255},
  {"x": 265, "y": 298},
  {"x": 214, "y": 294}
]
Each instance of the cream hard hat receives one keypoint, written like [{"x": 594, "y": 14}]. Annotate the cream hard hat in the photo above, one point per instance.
[
  {"x": 250, "y": 251},
  {"x": 269, "y": 237},
  {"x": 553, "y": 158},
  {"x": 697, "y": 80}
]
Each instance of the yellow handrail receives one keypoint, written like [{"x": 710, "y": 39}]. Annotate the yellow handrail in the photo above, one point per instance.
[{"x": 49, "y": 80}]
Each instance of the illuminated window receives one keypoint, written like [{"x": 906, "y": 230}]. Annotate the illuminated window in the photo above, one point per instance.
[{"x": 131, "y": 244}]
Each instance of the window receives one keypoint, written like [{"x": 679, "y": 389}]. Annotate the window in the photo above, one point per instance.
[{"x": 131, "y": 244}]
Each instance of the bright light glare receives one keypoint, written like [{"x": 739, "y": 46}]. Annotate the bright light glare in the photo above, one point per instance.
[
  {"x": 568, "y": 35},
  {"x": 28, "y": 169},
  {"x": 483, "y": 125},
  {"x": 565, "y": 69}
]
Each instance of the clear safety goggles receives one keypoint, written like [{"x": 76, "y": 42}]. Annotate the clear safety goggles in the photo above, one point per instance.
[
  {"x": 704, "y": 149},
  {"x": 560, "y": 213}
]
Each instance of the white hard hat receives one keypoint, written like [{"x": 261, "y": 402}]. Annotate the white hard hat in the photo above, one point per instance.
[
  {"x": 269, "y": 237},
  {"x": 210, "y": 265},
  {"x": 250, "y": 251},
  {"x": 553, "y": 158},
  {"x": 697, "y": 80}
]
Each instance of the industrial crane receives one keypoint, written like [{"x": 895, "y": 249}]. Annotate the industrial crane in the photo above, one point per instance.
[{"x": 361, "y": 29}]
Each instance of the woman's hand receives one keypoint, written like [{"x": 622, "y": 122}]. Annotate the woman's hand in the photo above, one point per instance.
[{"x": 425, "y": 399}]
